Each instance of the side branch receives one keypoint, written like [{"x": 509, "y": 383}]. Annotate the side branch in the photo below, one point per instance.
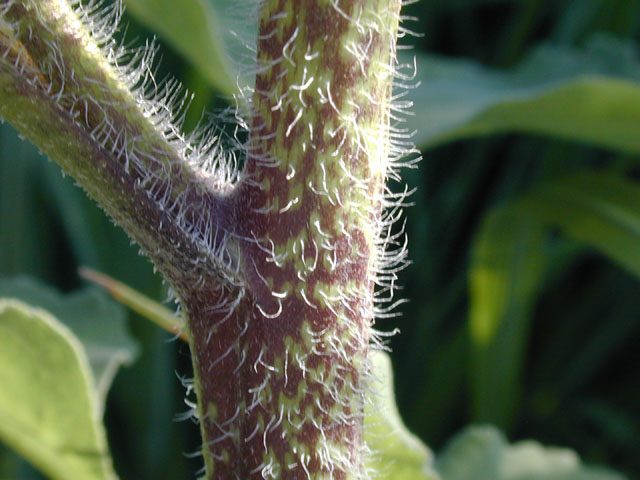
[{"x": 62, "y": 86}]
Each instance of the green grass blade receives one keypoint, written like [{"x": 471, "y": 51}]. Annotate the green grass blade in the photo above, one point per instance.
[
  {"x": 597, "y": 209},
  {"x": 506, "y": 268}
]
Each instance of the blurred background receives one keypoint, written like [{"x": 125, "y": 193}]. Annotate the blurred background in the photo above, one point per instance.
[{"x": 522, "y": 311}]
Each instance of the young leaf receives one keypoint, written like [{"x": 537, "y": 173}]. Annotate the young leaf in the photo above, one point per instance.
[
  {"x": 482, "y": 453},
  {"x": 397, "y": 453},
  {"x": 590, "y": 95},
  {"x": 49, "y": 411},
  {"x": 97, "y": 322}
]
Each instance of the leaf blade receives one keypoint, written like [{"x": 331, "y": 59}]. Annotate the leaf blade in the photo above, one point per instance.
[
  {"x": 588, "y": 95},
  {"x": 398, "y": 454},
  {"x": 97, "y": 322},
  {"x": 599, "y": 210},
  {"x": 506, "y": 269},
  {"x": 48, "y": 411},
  {"x": 193, "y": 27}
]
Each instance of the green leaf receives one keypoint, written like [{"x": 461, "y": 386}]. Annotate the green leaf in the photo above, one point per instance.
[
  {"x": 49, "y": 411},
  {"x": 598, "y": 209},
  {"x": 397, "y": 453},
  {"x": 97, "y": 322},
  {"x": 482, "y": 453},
  {"x": 589, "y": 95},
  {"x": 506, "y": 268},
  {"x": 508, "y": 260},
  {"x": 198, "y": 31}
]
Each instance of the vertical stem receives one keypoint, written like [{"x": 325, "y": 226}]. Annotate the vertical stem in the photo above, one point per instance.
[{"x": 281, "y": 365}]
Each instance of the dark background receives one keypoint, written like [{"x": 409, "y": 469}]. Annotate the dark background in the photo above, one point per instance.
[{"x": 580, "y": 382}]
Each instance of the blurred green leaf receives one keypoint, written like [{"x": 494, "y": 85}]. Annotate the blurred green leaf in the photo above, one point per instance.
[
  {"x": 98, "y": 322},
  {"x": 397, "y": 453},
  {"x": 49, "y": 411},
  {"x": 589, "y": 95},
  {"x": 482, "y": 453},
  {"x": 195, "y": 29},
  {"x": 506, "y": 268},
  {"x": 508, "y": 261},
  {"x": 598, "y": 209}
]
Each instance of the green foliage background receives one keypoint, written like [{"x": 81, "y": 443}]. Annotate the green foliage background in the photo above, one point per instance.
[{"x": 524, "y": 304}]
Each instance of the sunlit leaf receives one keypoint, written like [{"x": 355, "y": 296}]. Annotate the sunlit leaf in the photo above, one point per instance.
[
  {"x": 397, "y": 453},
  {"x": 97, "y": 322},
  {"x": 49, "y": 410}
]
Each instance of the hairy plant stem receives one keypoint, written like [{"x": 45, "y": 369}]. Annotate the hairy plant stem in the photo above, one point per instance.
[
  {"x": 277, "y": 272},
  {"x": 58, "y": 89}
]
